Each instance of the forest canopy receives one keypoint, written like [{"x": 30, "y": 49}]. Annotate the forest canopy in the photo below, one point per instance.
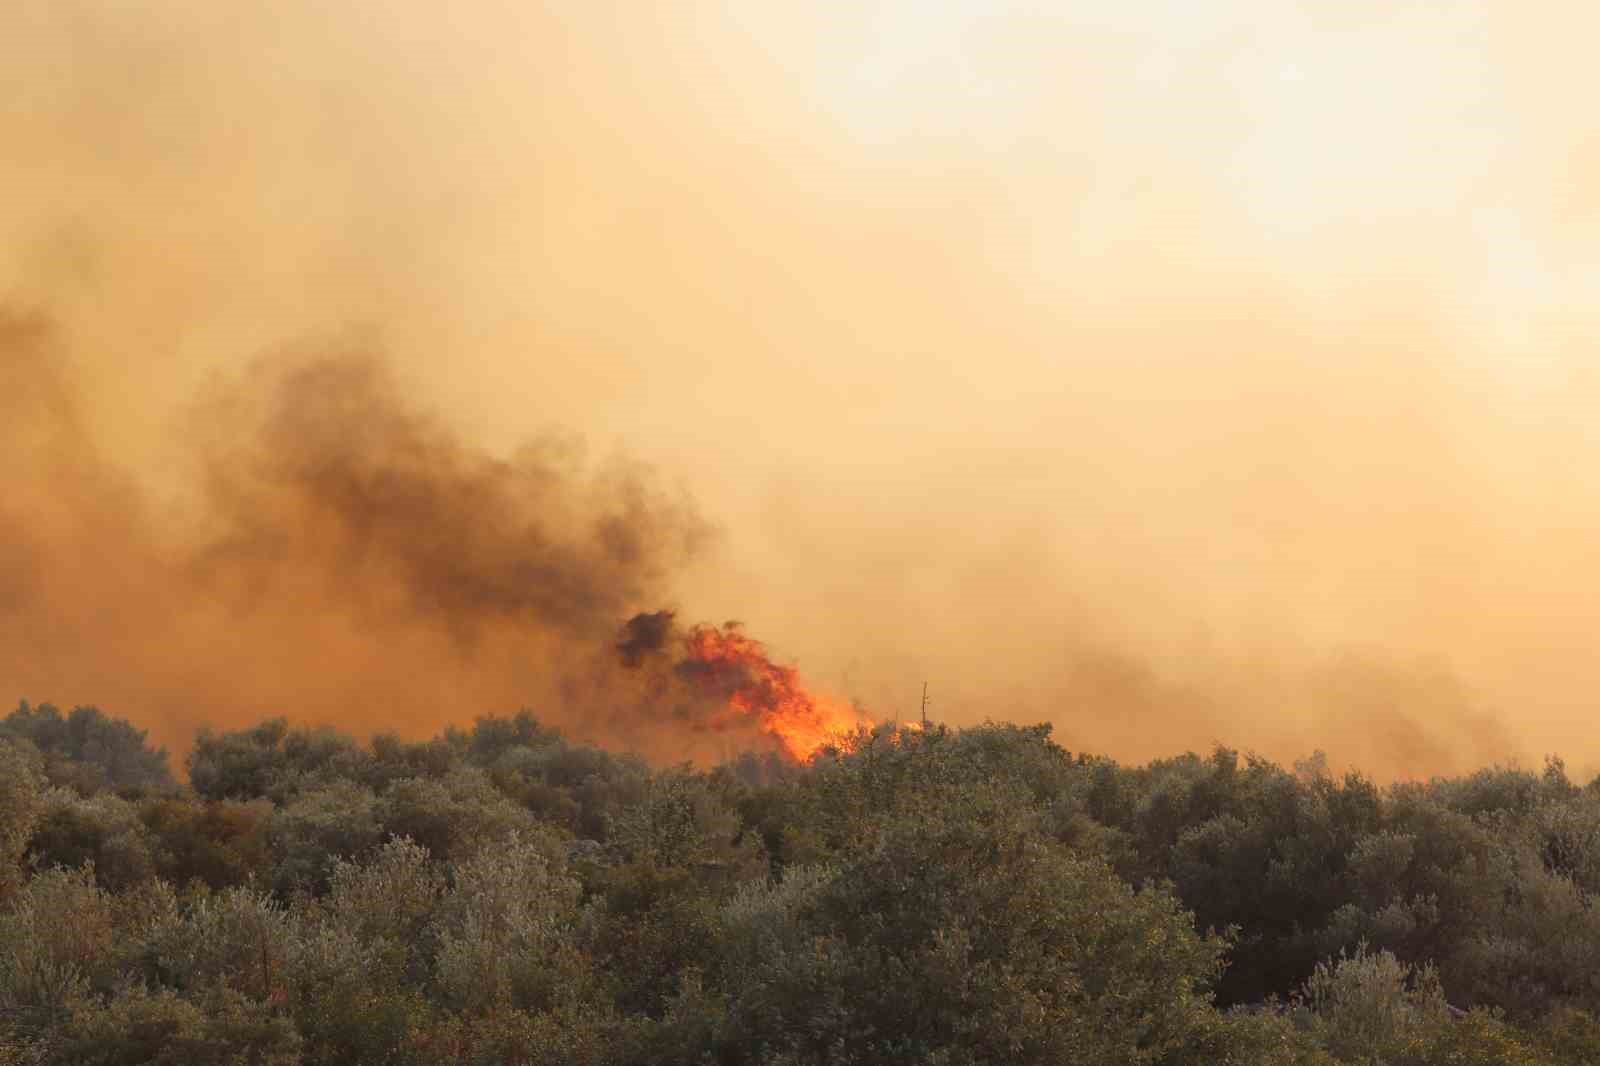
[{"x": 500, "y": 894}]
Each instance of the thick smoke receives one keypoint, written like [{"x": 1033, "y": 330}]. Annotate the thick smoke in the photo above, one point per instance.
[
  {"x": 339, "y": 485},
  {"x": 1174, "y": 376},
  {"x": 645, "y": 634},
  {"x": 340, "y": 556}
]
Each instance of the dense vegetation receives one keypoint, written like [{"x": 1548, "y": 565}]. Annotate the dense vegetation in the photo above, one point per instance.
[{"x": 500, "y": 895}]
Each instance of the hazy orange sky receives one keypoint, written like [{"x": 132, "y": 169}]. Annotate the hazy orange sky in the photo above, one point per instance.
[{"x": 1173, "y": 372}]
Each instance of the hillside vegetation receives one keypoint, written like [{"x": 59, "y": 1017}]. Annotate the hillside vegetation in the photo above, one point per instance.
[{"x": 500, "y": 895}]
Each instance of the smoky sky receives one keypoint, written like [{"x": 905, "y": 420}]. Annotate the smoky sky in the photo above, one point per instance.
[
  {"x": 337, "y": 546},
  {"x": 344, "y": 554},
  {"x": 645, "y": 634},
  {"x": 1173, "y": 376}
]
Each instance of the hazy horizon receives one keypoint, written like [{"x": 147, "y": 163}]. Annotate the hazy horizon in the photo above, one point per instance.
[{"x": 1172, "y": 374}]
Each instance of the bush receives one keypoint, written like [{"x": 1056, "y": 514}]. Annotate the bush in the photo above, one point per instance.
[
  {"x": 89, "y": 751},
  {"x": 56, "y": 939},
  {"x": 103, "y": 831},
  {"x": 21, "y": 806},
  {"x": 959, "y": 936},
  {"x": 454, "y": 816},
  {"x": 506, "y": 931},
  {"x": 141, "y": 1028},
  {"x": 1370, "y": 1006},
  {"x": 315, "y": 829}
]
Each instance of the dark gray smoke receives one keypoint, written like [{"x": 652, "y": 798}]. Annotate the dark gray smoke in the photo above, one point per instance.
[{"x": 339, "y": 554}]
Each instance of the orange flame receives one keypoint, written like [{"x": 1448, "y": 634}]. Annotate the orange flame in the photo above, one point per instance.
[{"x": 759, "y": 689}]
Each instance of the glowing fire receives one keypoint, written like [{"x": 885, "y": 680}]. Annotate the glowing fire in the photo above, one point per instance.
[{"x": 729, "y": 662}]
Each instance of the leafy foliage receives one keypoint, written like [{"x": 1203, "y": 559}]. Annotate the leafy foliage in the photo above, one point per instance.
[
  {"x": 88, "y": 750},
  {"x": 500, "y": 895}
]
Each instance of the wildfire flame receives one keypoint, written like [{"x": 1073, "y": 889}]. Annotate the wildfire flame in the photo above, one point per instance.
[{"x": 756, "y": 688}]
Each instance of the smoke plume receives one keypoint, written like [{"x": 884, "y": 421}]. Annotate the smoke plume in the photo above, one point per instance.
[
  {"x": 340, "y": 551},
  {"x": 1176, "y": 376}
]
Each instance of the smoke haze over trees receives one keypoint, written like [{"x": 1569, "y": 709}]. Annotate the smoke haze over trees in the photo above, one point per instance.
[
  {"x": 345, "y": 555},
  {"x": 1225, "y": 373},
  {"x": 1189, "y": 377}
]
